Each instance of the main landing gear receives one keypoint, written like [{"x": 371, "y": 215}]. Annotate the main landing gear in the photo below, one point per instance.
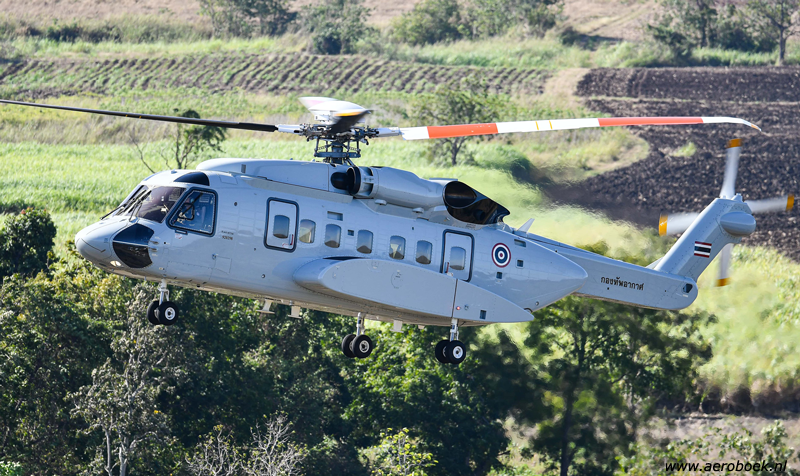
[
  {"x": 358, "y": 344},
  {"x": 451, "y": 351},
  {"x": 162, "y": 311}
]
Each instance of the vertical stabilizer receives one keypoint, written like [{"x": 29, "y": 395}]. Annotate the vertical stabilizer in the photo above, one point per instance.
[{"x": 723, "y": 222}]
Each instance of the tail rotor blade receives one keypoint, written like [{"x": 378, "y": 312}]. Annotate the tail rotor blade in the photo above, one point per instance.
[
  {"x": 768, "y": 205},
  {"x": 724, "y": 276},
  {"x": 675, "y": 223},
  {"x": 731, "y": 169}
]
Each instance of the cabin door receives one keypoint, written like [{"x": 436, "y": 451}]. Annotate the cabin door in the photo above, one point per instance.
[
  {"x": 457, "y": 256},
  {"x": 281, "y": 225}
]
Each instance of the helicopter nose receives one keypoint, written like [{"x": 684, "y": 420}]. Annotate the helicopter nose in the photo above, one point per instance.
[{"x": 94, "y": 243}]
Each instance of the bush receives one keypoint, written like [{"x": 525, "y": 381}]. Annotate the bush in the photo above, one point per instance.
[
  {"x": 431, "y": 21},
  {"x": 25, "y": 241},
  {"x": 335, "y": 26}
]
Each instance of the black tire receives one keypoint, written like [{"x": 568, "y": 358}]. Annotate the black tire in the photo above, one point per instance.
[
  {"x": 151, "y": 313},
  {"x": 362, "y": 346},
  {"x": 346, "y": 344},
  {"x": 456, "y": 352},
  {"x": 167, "y": 313},
  {"x": 439, "y": 351}
]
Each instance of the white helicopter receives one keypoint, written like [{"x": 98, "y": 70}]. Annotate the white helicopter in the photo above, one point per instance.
[{"x": 377, "y": 242}]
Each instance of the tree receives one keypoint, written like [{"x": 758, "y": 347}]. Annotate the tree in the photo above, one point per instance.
[
  {"x": 455, "y": 413},
  {"x": 495, "y": 17},
  {"x": 25, "y": 242},
  {"x": 467, "y": 101},
  {"x": 270, "y": 453},
  {"x": 240, "y": 17},
  {"x": 122, "y": 401},
  {"x": 609, "y": 363},
  {"x": 774, "y": 19},
  {"x": 47, "y": 351},
  {"x": 398, "y": 455},
  {"x": 190, "y": 143},
  {"x": 335, "y": 26},
  {"x": 431, "y": 21}
]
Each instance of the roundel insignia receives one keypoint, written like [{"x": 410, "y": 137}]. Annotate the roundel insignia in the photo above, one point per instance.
[{"x": 501, "y": 255}]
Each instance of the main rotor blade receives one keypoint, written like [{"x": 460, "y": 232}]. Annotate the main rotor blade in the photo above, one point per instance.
[
  {"x": 731, "y": 169},
  {"x": 724, "y": 273},
  {"x": 180, "y": 120},
  {"x": 464, "y": 130},
  {"x": 767, "y": 205},
  {"x": 675, "y": 223}
]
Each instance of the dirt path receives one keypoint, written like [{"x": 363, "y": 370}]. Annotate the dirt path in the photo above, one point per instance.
[{"x": 770, "y": 162}]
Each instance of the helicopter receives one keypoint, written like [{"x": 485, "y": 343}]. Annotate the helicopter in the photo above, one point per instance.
[{"x": 379, "y": 243}]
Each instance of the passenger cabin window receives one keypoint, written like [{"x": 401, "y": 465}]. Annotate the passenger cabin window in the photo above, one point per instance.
[
  {"x": 333, "y": 236},
  {"x": 397, "y": 247},
  {"x": 458, "y": 258},
  {"x": 424, "y": 252},
  {"x": 307, "y": 231},
  {"x": 280, "y": 226},
  {"x": 364, "y": 242},
  {"x": 196, "y": 213}
]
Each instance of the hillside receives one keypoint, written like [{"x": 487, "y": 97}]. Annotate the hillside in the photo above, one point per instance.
[{"x": 665, "y": 182}]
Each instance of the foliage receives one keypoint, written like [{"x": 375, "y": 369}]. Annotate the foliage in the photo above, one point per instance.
[
  {"x": 189, "y": 143},
  {"x": 243, "y": 18},
  {"x": 466, "y": 102},
  {"x": 122, "y": 401},
  {"x": 776, "y": 20},
  {"x": 398, "y": 455},
  {"x": 688, "y": 24},
  {"x": 25, "y": 242},
  {"x": 648, "y": 460},
  {"x": 335, "y": 26},
  {"x": 455, "y": 413},
  {"x": 495, "y": 17},
  {"x": 431, "y": 21},
  {"x": 10, "y": 469},
  {"x": 270, "y": 452},
  {"x": 610, "y": 364},
  {"x": 120, "y": 29}
]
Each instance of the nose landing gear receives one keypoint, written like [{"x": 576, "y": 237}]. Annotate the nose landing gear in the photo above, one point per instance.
[
  {"x": 162, "y": 311},
  {"x": 357, "y": 345},
  {"x": 451, "y": 351}
]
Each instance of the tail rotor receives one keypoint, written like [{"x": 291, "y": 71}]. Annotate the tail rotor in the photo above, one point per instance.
[{"x": 676, "y": 223}]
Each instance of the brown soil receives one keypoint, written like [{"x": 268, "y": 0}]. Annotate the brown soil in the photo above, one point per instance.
[{"x": 770, "y": 161}]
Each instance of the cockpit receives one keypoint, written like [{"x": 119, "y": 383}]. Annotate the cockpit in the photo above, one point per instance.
[{"x": 149, "y": 203}]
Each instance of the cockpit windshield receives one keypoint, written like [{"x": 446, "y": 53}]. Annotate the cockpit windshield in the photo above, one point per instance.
[{"x": 155, "y": 204}]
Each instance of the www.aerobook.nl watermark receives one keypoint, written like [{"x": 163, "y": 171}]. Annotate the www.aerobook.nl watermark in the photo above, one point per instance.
[{"x": 771, "y": 467}]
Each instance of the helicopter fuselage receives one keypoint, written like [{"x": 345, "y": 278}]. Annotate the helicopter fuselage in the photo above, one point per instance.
[{"x": 312, "y": 245}]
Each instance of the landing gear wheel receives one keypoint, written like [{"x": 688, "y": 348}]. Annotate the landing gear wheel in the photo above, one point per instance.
[
  {"x": 439, "y": 351},
  {"x": 455, "y": 352},
  {"x": 346, "y": 350},
  {"x": 362, "y": 346},
  {"x": 151, "y": 313},
  {"x": 167, "y": 313}
]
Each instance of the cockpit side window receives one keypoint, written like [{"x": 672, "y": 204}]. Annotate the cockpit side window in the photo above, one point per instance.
[
  {"x": 157, "y": 203},
  {"x": 196, "y": 213}
]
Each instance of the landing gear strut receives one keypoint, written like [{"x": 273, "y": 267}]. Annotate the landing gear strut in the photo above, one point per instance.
[
  {"x": 358, "y": 344},
  {"x": 162, "y": 311},
  {"x": 451, "y": 351}
]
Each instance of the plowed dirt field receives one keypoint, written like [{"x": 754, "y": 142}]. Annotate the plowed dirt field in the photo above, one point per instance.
[{"x": 770, "y": 161}]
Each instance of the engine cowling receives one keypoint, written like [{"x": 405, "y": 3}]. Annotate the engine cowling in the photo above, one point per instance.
[{"x": 403, "y": 188}]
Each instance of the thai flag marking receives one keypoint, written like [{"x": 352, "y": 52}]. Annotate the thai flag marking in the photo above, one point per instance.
[{"x": 702, "y": 249}]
